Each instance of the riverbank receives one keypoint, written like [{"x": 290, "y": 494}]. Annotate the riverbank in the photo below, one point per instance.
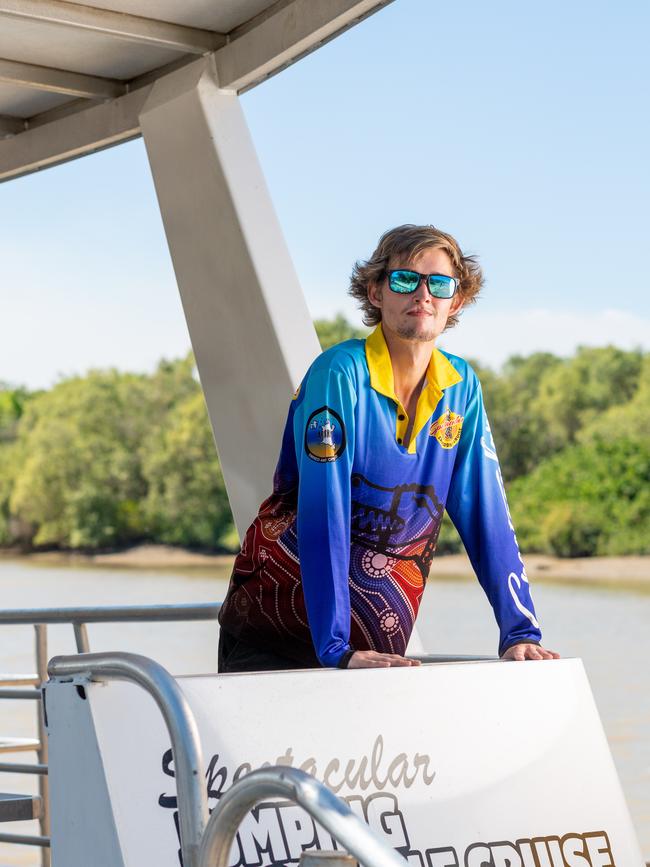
[
  {"x": 633, "y": 571},
  {"x": 624, "y": 571}
]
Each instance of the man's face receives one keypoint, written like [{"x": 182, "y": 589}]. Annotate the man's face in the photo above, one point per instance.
[{"x": 418, "y": 316}]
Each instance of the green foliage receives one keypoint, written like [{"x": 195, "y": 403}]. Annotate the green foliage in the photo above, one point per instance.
[
  {"x": 572, "y": 530},
  {"x": 8, "y": 472},
  {"x": 521, "y": 433},
  {"x": 113, "y": 458},
  {"x": 591, "y": 498},
  {"x": 575, "y": 392},
  {"x": 186, "y": 501},
  {"x": 333, "y": 331},
  {"x": 540, "y": 403},
  {"x": 12, "y": 404},
  {"x": 630, "y": 419},
  {"x": 584, "y": 489},
  {"x": 79, "y": 466}
]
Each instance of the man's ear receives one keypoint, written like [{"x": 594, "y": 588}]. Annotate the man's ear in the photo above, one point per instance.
[
  {"x": 456, "y": 305},
  {"x": 374, "y": 294}
]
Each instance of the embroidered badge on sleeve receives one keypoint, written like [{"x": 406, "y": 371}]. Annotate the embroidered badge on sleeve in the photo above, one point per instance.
[
  {"x": 447, "y": 429},
  {"x": 324, "y": 435}
]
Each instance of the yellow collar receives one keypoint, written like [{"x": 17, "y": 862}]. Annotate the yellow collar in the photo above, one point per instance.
[{"x": 440, "y": 375}]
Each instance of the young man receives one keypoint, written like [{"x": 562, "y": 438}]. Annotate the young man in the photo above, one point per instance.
[{"x": 382, "y": 435}]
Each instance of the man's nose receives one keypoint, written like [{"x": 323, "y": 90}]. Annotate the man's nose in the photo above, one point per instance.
[{"x": 422, "y": 292}]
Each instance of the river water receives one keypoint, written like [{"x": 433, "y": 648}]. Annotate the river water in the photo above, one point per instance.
[{"x": 606, "y": 627}]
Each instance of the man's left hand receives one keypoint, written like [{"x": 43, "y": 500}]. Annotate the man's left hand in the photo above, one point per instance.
[{"x": 519, "y": 652}]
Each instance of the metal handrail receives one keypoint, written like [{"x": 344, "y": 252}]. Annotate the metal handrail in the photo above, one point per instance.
[
  {"x": 112, "y": 613},
  {"x": 26, "y": 840},
  {"x": 314, "y": 797},
  {"x": 21, "y": 768},
  {"x": 78, "y": 617},
  {"x": 180, "y": 722},
  {"x": 33, "y": 694}
]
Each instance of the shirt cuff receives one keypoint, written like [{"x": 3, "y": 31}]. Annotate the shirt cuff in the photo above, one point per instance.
[{"x": 345, "y": 659}]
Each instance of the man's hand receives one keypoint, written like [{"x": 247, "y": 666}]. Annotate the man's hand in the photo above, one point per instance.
[
  {"x": 519, "y": 652},
  {"x": 373, "y": 659}
]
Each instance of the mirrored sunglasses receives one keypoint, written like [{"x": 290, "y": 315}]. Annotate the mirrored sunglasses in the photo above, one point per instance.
[{"x": 405, "y": 282}]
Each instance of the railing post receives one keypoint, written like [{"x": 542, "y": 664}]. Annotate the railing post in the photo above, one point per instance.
[
  {"x": 79, "y": 617},
  {"x": 81, "y": 637},
  {"x": 180, "y": 722},
  {"x": 43, "y": 781}
]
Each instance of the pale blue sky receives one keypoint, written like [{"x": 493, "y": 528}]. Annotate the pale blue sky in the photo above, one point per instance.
[{"x": 523, "y": 129}]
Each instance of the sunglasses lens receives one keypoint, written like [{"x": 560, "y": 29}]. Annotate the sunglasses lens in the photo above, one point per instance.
[
  {"x": 441, "y": 286},
  {"x": 403, "y": 281}
]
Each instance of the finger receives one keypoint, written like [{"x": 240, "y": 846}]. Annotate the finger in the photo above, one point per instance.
[
  {"x": 394, "y": 659},
  {"x": 519, "y": 653},
  {"x": 398, "y": 661},
  {"x": 375, "y": 659},
  {"x": 533, "y": 652}
]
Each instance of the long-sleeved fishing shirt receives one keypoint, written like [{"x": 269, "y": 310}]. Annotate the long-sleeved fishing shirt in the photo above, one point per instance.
[{"x": 338, "y": 556}]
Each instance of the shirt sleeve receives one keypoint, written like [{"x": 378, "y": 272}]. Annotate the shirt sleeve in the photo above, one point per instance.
[
  {"x": 478, "y": 507},
  {"x": 324, "y": 440}
]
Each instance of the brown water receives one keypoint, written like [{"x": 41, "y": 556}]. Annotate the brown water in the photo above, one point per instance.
[{"x": 607, "y": 628}]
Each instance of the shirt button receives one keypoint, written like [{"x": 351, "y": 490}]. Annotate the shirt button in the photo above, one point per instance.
[
  {"x": 399, "y": 440},
  {"x": 401, "y": 417}
]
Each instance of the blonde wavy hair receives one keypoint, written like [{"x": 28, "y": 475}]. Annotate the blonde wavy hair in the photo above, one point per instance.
[{"x": 398, "y": 246}]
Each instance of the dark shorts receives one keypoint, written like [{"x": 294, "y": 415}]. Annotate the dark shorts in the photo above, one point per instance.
[{"x": 237, "y": 655}]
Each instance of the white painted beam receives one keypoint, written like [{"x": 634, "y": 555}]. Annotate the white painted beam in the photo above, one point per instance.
[
  {"x": 251, "y": 331},
  {"x": 10, "y": 125},
  {"x": 51, "y": 80},
  {"x": 122, "y": 26},
  {"x": 74, "y": 136},
  {"x": 280, "y": 39}
]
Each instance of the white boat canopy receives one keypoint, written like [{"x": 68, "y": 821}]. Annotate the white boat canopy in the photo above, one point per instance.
[
  {"x": 76, "y": 78},
  {"x": 73, "y": 75}
]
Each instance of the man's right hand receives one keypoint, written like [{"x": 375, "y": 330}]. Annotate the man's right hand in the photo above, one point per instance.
[{"x": 373, "y": 659}]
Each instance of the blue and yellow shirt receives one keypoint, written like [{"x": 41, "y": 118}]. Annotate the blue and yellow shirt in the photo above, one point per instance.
[{"x": 339, "y": 554}]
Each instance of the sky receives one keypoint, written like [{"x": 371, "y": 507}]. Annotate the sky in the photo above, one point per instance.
[{"x": 520, "y": 128}]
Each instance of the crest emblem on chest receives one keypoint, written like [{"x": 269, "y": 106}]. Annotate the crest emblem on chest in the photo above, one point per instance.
[{"x": 447, "y": 429}]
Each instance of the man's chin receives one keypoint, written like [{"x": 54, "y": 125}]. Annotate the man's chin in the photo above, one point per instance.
[{"x": 416, "y": 332}]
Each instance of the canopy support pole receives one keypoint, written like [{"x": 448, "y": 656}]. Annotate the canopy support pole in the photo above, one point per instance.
[{"x": 250, "y": 328}]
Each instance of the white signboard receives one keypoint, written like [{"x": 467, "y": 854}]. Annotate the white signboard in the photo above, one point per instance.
[{"x": 455, "y": 765}]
